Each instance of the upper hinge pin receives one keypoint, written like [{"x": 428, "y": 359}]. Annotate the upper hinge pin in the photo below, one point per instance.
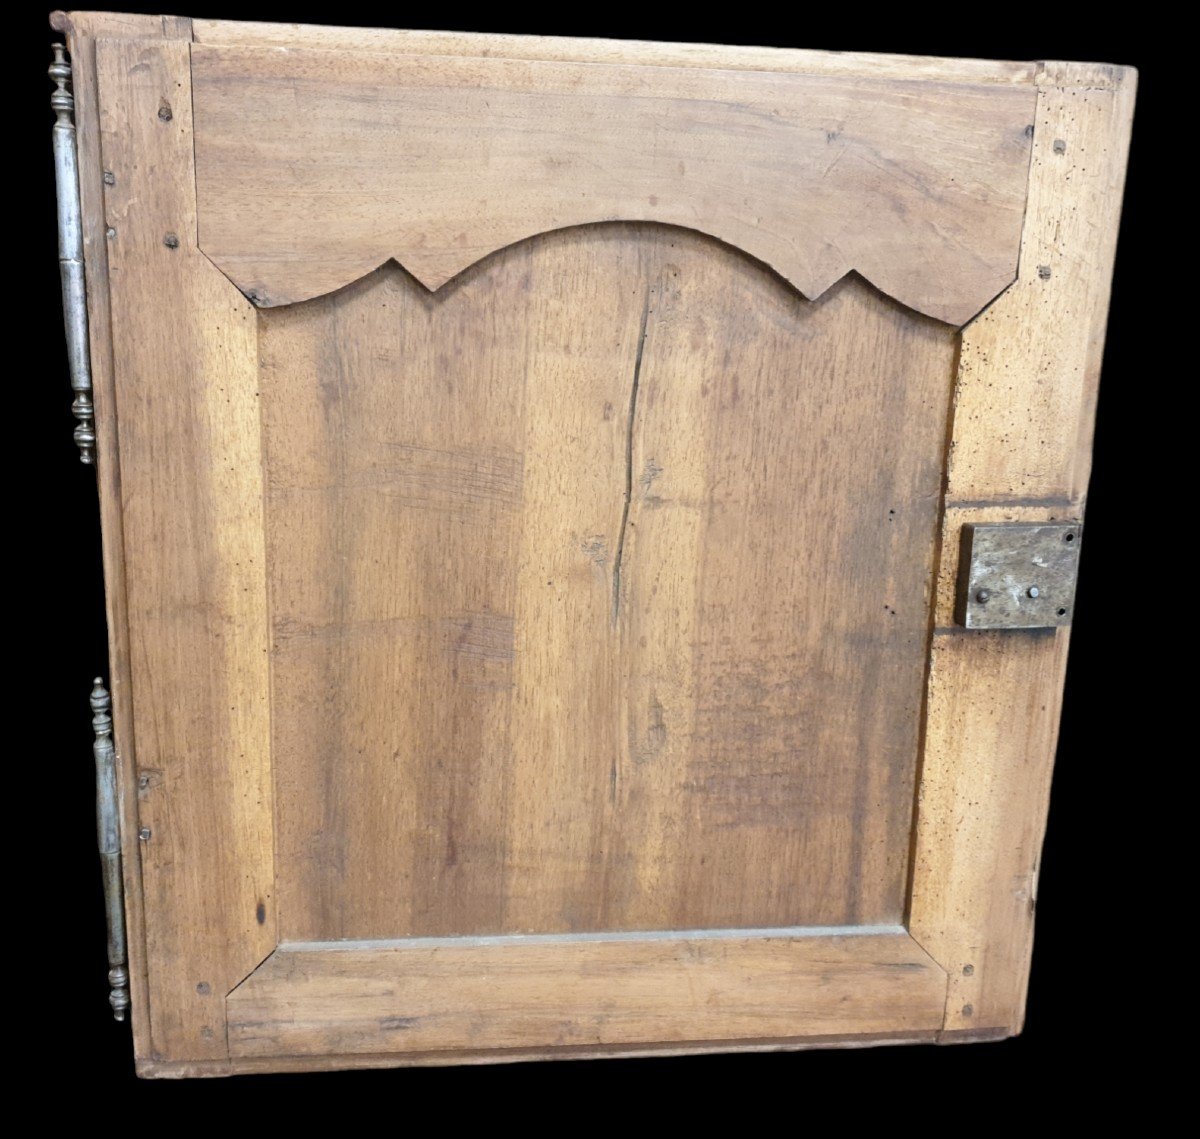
[{"x": 70, "y": 254}]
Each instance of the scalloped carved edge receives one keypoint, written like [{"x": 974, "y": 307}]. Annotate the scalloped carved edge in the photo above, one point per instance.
[
  {"x": 919, "y": 186},
  {"x": 260, "y": 297}
]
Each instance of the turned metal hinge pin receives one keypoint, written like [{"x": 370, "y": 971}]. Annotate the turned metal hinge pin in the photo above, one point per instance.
[
  {"x": 108, "y": 831},
  {"x": 70, "y": 254}
]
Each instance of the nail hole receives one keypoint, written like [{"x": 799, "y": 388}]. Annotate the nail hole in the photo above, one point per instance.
[
  {"x": 1068, "y": 537},
  {"x": 204, "y": 988},
  {"x": 164, "y": 112},
  {"x": 1062, "y": 612},
  {"x": 968, "y": 1010},
  {"x": 968, "y": 970}
]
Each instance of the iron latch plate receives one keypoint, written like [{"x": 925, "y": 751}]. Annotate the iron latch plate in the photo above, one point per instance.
[{"x": 1018, "y": 575}]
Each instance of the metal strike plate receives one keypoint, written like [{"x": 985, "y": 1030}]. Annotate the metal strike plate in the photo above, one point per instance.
[{"x": 1018, "y": 575}]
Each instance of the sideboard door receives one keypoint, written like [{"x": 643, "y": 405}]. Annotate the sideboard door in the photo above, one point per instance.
[{"x": 533, "y": 476}]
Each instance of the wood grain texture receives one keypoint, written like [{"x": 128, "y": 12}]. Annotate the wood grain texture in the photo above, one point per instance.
[
  {"x": 1021, "y": 451},
  {"x": 259, "y": 1065},
  {"x": 314, "y": 169},
  {"x": 530, "y": 993},
  {"x": 587, "y": 615},
  {"x": 191, "y": 500},
  {"x": 90, "y": 26},
  {"x": 1030, "y": 367},
  {"x": 583, "y": 618},
  {"x": 992, "y": 725},
  {"x": 726, "y": 57},
  {"x": 80, "y": 31}
]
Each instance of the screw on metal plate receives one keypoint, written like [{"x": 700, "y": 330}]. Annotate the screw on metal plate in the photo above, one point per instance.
[{"x": 1018, "y": 575}]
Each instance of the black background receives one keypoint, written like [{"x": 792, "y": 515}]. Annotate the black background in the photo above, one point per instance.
[{"x": 1086, "y": 985}]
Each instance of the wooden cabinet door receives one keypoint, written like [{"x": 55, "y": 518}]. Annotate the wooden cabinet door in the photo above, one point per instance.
[{"x": 533, "y": 473}]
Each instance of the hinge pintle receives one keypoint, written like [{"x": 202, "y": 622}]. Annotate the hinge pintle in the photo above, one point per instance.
[
  {"x": 70, "y": 254},
  {"x": 108, "y": 833}
]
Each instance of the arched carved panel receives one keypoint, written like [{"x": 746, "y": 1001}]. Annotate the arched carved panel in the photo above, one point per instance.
[
  {"x": 315, "y": 167},
  {"x": 587, "y": 612}
]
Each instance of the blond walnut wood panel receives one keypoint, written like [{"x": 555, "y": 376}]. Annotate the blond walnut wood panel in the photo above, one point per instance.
[
  {"x": 726, "y": 57},
  {"x": 1030, "y": 362},
  {"x": 87, "y": 27},
  {"x": 587, "y": 614},
  {"x": 80, "y": 31},
  {"x": 191, "y": 501},
  {"x": 992, "y": 725},
  {"x": 530, "y": 993},
  {"x": 314, "y": 169},
  {"x": 1030, "y": 369},
  {"x": 775, "y": 597},
  {"x": 1021, "y": 451},
  {"x": 324, "y": 1062}
]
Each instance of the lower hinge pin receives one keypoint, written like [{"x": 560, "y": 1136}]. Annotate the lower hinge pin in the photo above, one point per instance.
[{"x": 108, "y": 830}]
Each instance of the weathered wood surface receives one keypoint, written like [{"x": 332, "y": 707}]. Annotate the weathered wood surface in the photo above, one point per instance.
[
  {"x": 186, "y": 386},
  {"x": 315, "y": 167},
  {"x": 80, "y": 30},
  {"x": 588, "y": 613},
  {"x": 573, "y": 992},
  {"x": 1020, "y": 451},
  {"x": 726, "y": 57},
  {"x": 691, "y": 817},
  {"x": 327, "y": 1062}
]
